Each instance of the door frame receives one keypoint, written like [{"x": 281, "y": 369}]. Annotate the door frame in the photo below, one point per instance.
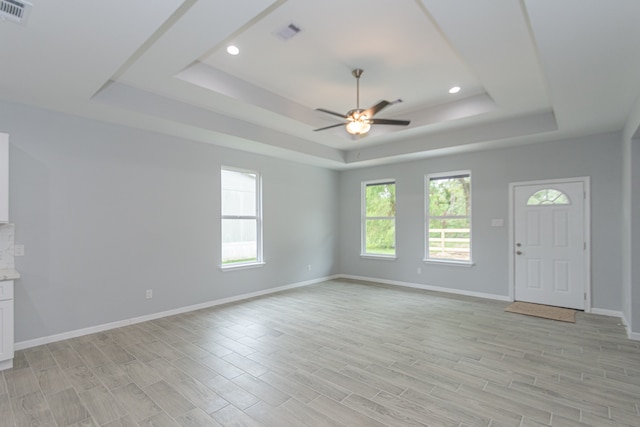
[{"x": 586, "y": 182}]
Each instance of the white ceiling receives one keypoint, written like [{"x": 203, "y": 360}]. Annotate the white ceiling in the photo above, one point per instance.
[{"x": 530, "y": 71}]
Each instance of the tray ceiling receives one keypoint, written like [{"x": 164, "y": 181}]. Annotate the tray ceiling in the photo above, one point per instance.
[{"x": 529, "y": 71}]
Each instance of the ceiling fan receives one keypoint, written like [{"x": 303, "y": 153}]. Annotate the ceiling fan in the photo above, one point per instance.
[{"x": 359, "y": 121}]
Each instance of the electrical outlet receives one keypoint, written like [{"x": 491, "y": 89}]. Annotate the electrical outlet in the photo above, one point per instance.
[
  {"x": 419, "y": 270},
  {"x": 309, "y": 267},
  {"x": 149, "y": 293},
  {"x": 18, "y": 250}
]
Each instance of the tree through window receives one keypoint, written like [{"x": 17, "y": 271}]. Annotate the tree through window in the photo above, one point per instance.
[
  {"x": 379, "y": 218},
  {"x": 449, "y": 217}
]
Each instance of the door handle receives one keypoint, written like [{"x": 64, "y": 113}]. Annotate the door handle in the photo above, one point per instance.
[{"x": 518, "y": 253}]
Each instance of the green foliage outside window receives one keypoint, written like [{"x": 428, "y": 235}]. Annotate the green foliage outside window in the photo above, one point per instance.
[
  {"x": 380, "y": 224},
  {"x": 450, "y": 217}
]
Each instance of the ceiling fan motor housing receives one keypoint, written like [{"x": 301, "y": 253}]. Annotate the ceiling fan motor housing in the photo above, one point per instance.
[{"x": 356, "y": 114}]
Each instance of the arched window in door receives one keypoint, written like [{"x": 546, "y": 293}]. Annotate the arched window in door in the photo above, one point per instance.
[{"x": 548, "y": 196}]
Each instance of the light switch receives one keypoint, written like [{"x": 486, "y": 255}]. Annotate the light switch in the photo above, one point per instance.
[{"x": 497, "y": 222}]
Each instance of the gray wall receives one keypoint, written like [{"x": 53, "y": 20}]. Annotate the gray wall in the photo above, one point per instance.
[
  {"x": 627, "y": 227},
  {"x": 106, "y": 212},
  {"x": 632, "y": 308},
  {"x": 599, "y": 157},
  {"x": 631, "y": 228}
]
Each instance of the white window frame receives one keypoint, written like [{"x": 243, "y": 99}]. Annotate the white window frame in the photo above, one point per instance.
[
  {"x": 364, "y": 218},
  {"x": 258, "y": 217},
  {"x": 441, "y": 175}
]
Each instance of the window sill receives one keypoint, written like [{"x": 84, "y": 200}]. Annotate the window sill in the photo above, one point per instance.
[
  {"x": 241, "y": 266},
  {"x": 383, "y": 257},
  {"x": 447, "y": 262}
]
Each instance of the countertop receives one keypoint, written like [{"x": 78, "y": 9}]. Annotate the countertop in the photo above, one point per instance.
[{"x": 9, "y": 274}]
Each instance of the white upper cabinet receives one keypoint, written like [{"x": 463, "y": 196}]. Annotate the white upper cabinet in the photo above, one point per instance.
[{"x": 4, "y": 178}]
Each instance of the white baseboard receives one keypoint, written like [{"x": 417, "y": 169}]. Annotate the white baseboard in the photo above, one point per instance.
[
  {"x": 605, "y": 312},
  {"x": 620, "y": 315},
  {"x": 635, "y": 336},
  {"x": 429, "y": 287},
  {"x": 599, "y": 311},
  {"x": 630, "y": 334},
  {"x": 6, "y": 364},
  {"x": 120, "y": 323}
]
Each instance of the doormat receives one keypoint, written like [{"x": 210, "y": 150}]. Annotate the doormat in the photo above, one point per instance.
[{"x": 545, "y": 311}]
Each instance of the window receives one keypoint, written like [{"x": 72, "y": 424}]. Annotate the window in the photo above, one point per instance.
[
  {"x": 548, "y": 196},
  {"x": 379, "y": 218},
  {"x": 448, "y": 217},
  {"x": 241, "y": 222}
]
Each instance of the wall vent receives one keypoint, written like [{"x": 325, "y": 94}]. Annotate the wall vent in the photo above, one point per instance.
[{"x": 15, "y": 11}]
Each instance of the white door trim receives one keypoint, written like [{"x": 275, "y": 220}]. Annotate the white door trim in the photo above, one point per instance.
[{"x": 586, "y": 181}]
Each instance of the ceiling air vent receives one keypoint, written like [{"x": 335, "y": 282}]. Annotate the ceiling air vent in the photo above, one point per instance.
[
  {"x": 287, "y": 32},
  {"x": 15, "y": 11}
]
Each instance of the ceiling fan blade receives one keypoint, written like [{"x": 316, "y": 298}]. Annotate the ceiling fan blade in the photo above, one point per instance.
[
  {"x": 370, "y": 112},
  {"x": 329, "y": 127},
  {"x": 389, "y": 122},
  {"x": 344, "y": 116}
]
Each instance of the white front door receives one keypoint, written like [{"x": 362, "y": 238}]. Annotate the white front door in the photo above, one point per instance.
[{"x": 550, "y": 243}]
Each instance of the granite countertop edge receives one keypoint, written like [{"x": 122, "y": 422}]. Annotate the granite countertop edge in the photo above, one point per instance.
[{"x": 8, "y": 274}]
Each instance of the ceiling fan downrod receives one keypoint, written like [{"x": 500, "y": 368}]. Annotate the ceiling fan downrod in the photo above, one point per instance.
[{"x": 357, "y": 73}]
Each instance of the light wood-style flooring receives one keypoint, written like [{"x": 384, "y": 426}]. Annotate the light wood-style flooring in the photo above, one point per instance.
[{"x": 339, "y": 353}]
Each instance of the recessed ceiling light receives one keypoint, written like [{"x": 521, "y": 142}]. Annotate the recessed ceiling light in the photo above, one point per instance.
[
  {"x": 233, "y": 50},
  {"x": 454, "y": 89}
]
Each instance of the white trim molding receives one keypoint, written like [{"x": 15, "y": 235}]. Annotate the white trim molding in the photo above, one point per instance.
[
  {"x": 427, "y": 287},
  {"x": 605, "y": 312},
  {"x": 635, "y": 336},
  {"x": 364, "y": 217},
  {"x": 427, "y": 217},
  {"x": 126, "y": 322}
]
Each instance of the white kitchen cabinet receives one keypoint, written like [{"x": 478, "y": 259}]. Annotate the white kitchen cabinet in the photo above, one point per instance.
[
  {"x": 4, "y": 178},
  {"x": 6, "y": 324}
]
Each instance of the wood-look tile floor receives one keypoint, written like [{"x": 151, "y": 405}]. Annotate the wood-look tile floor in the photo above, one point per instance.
[{"x": 340, "y": 353}]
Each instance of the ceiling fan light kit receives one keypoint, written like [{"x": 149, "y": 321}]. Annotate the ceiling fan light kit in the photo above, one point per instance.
[
  {"x": 359, "y": 121},
  {"x": 358, "y": 127}
]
